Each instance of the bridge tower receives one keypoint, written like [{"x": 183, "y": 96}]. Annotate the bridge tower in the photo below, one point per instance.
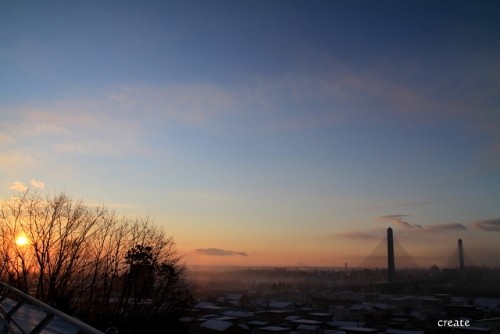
[
  {"x": 391, "y": 266},
  {"x": 461, "y": 255}
]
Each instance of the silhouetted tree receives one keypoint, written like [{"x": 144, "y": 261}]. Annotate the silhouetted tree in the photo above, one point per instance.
[{"x": 89, "y": 260}]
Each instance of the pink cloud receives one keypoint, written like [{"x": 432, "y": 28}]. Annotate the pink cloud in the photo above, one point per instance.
[
  {"x": 490, "y": 225},
  {"x": 398, "y": 220}
]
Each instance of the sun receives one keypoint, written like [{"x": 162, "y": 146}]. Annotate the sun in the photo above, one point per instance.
[{"x": 22, "y": 240}]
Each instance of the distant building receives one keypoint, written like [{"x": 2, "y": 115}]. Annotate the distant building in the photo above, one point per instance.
[
  {"x": 214, "y": 326},
  {"x": 358, "y": 330},
  {"x": 272, "y": 330}
]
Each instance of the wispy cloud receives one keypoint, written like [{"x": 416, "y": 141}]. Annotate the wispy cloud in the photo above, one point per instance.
[
  {"x": 358, "y": 235},
  {"x": 18, "y": 186},
  {"x": 75, "y": 127},
  {"x": 399, "y": 220},
  {"x": 219, "y": 252},
  {"x": 37, "y": 184},
  {"x": 339, "y": 93},
  {"x": 11, "y": 159},
  {"x": 114, "y": 123},
  {"x": 402, "y": 98},
  {"x": 490, "y": 225},
  {"x": 446, "y": 227},
  {"x": 345, "y": 92},
  {"x": 393, "y": 206},
  {"x": 193, "y": 104}
]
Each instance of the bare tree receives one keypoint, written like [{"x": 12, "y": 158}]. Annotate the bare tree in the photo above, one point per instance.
[{"x": 88, "y": 259}]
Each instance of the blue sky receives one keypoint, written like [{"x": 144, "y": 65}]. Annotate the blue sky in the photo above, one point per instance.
[{"x": 290, "y": 131}]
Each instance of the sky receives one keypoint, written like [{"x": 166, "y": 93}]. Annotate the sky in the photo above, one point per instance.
[{"x": 266, "y": 133}]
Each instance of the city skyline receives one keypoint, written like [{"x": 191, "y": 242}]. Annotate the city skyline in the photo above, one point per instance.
[{"x": 263, "y": 133}]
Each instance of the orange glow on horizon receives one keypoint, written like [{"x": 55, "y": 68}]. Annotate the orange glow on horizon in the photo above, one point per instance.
[{"x": 274, "y": 258}]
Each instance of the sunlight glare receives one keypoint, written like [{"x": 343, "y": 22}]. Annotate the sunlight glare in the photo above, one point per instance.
[{"x": 22, "y": 240}]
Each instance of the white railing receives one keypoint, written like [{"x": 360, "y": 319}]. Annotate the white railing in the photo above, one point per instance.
[{"x": 23, "y": 314}]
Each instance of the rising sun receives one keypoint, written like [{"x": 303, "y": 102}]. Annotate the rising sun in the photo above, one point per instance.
[{"x": 22, "y": 240}]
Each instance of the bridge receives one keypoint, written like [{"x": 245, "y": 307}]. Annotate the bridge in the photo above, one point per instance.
[{"x": 390, "y": 254}]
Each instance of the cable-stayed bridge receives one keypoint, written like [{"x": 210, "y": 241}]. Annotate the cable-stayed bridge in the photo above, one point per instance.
[{"x": 389, "y": 254}]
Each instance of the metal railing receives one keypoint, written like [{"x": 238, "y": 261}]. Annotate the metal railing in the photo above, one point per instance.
[{"x": 16, "y": 307}]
